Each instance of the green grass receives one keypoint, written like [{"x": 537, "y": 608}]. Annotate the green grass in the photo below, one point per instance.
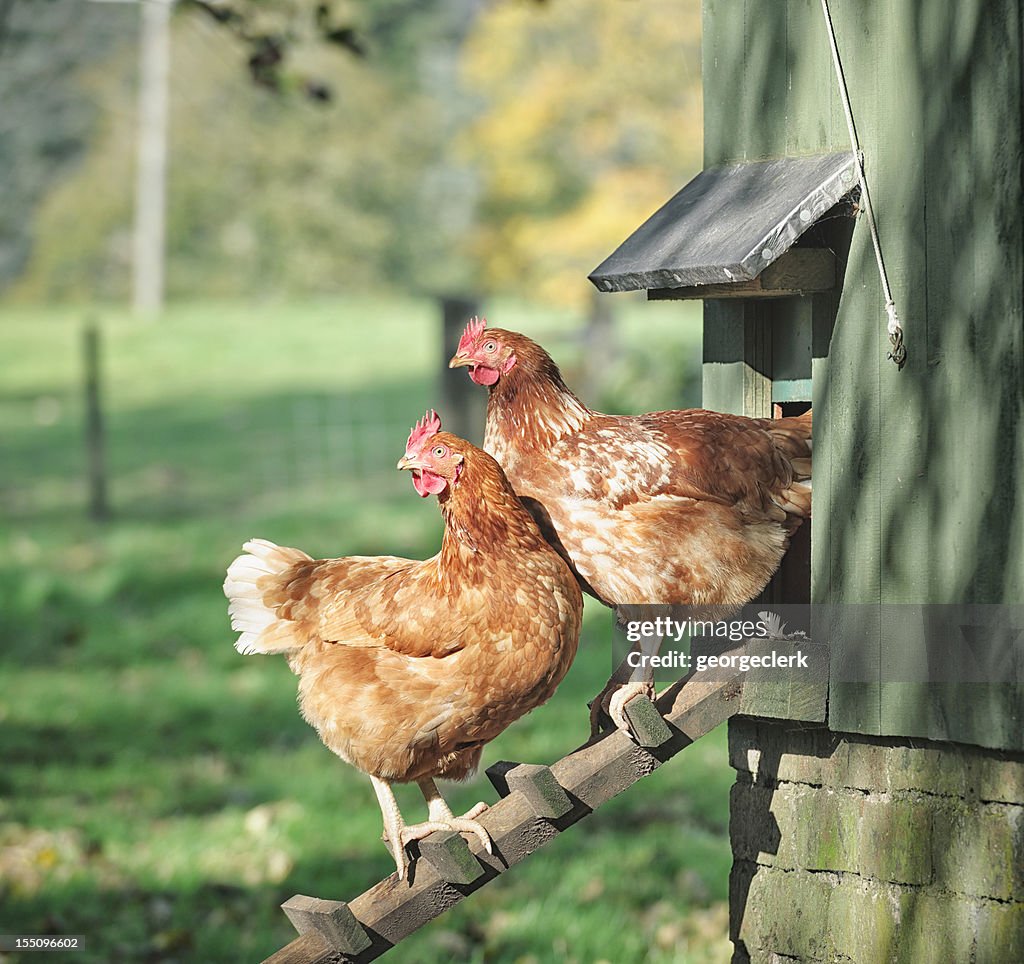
[{"x": 160, "y": 794}]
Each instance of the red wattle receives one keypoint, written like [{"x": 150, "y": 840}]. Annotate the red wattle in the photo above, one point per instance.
[
  {"x": 483, "y": 375},
  {"x": 427, "y": 483}
]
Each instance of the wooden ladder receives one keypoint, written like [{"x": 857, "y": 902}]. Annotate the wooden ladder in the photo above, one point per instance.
[{"x": 537, "y": 803}]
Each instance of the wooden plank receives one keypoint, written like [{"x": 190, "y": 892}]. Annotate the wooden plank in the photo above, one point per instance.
[
  {"x": 587, "y": 778},
  {"x": 310, "y": 948},
  {"x": 811, "y": 82},
  {"x": 849, "y": 420},
  {"x": 799, "y": 695},
  {"x": 760, "y": 92},
  {"x": 792, "y": 390},
  {"x": 823, "y": 313},
  {"x": 967, "y": 313},
  {"x": 729, "y": 224},
  {"x": 757, "y": 356},
  {"x": 792, "y": 324},
  {"x": 692, "y": 707},
  {"x": 808, "y": 701},
  {"x": 907, "y": 507},
  {"x": 799, "y": 271},
  {"x": 998, "y": 571},
  {"x": 737, "y": 358},
  {"x": 724, "y": 370},
  {"x": 722, "y": 63},
  {"x": 969, "y": 328}
]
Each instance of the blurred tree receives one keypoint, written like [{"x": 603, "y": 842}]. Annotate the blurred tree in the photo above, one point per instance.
[
  {"x": 590, "y": 118},
  {"x": 474, "y": 147},
  {"x": 47, "y": 120},
  {"x": 269, "y": 30},
  {"x": 267, "y": 195},
  {"x": 272, "y": 32}
]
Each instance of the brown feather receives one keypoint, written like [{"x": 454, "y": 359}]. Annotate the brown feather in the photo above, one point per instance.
[
  {"x": 688, "y": 507},
  {"x": 407, "y": 668}
]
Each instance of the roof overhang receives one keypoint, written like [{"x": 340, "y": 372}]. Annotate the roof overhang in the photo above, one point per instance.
[{"x": 728, "y": 224}]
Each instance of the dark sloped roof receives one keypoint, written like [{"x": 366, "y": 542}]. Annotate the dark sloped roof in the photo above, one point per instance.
[{"x": 728, "y": 224}]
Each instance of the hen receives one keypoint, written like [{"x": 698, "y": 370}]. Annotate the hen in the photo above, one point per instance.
[
  {"x": 408, "y": 668},
  {"x": 682, "y": 507}
]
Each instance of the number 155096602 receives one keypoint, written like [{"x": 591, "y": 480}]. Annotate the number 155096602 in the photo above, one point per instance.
[{"x": 40, "y": 942}]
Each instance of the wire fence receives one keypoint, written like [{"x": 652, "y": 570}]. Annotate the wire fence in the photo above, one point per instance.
[
  {"x": 308, "y": 448},
  {"x": 334, "y": 440}
]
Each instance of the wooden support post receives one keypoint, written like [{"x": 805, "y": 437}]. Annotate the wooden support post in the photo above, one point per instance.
[
  {"x": 95, "y": 442},
  {"x": 599, "y": 345}
]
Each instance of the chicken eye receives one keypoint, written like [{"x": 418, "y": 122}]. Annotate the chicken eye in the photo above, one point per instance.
[
  {"x": 491, "y": 347},
  {"x": 439, "y": 451}
]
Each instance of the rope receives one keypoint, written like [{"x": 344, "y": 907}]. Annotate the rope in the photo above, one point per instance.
[{"x": 898, "y": 352}]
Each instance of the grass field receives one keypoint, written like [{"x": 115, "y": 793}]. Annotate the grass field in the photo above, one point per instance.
[{"x": 159, "y": 794}]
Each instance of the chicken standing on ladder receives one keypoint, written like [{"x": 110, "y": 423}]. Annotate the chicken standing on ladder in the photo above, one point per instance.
[{"x": 407, "y": 668}]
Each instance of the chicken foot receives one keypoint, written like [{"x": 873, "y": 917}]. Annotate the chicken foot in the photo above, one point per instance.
[
  {"x": 625, "y": 684},
  {"x": 439, "y": 817},
  {"x": 612, "y": 700}
]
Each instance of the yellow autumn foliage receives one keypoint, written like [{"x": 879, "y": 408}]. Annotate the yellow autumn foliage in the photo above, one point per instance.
[{"x": 591, "y": 118}]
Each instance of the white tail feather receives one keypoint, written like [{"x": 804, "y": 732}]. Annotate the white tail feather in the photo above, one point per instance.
[{"x": 250, "y": 616}]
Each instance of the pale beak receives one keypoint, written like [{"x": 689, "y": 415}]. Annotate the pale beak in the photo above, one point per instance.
[
  {"x": 460, "y": 361},
  {"x": 409, "y": 462}
]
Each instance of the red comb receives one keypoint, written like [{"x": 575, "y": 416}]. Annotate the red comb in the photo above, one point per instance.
[
  {"x": 473, "y": 331},
  {"x": 429, "y": 425}
]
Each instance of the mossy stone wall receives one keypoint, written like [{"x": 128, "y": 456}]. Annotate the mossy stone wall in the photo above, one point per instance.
[{"x": 872, "y": 849}]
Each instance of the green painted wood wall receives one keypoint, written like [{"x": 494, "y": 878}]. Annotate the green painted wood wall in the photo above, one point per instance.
[{"x": 919, "y": 474}]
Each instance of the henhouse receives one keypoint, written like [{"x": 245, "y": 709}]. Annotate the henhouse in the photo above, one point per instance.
[
  {"x": 857, "y": 237},
  {"x": 884, "y": 822}
]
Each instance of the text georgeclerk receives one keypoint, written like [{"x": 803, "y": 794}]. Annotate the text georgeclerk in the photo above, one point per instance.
[{"x": 678, "y": 660}]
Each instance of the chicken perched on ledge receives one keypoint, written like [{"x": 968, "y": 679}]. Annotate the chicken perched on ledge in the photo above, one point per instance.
[
  {"x": 684, "y": 507},
  {"x": 408, "y": 668}
]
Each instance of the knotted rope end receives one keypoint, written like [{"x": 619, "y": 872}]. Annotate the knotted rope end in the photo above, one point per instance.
[{"x": 898, "y": 352}]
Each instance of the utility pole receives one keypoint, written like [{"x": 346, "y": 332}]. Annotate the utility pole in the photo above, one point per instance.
[{"x": 151, "y": 173}]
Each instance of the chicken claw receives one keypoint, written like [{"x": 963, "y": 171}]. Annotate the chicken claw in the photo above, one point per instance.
[
  {"x": 464, "y": 824},
  {"x": 612, "y": 700},
  {"x": 439, "y": 817}
]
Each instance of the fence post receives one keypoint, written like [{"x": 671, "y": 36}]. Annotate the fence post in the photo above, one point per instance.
[
  {"x": 462, "y": 402},
  {"x": 598, "y": 346},
  {"x": 95, "y": 442}
]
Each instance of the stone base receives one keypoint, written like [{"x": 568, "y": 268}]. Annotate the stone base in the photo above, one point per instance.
[{"x": 868, "y": 849}]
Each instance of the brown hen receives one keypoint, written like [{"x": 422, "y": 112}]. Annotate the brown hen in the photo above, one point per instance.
[
  {"x": 408, "y": 668},
  {"x": 680, "y": 507}
]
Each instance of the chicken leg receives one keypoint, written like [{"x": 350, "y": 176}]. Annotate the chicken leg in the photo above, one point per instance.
[{"x": 439, "y": 817}]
